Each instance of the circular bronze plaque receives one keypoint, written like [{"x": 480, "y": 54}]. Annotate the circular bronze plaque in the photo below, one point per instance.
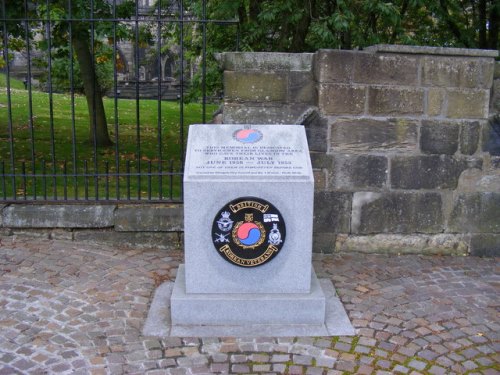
[{"x": 248, "y": 232}]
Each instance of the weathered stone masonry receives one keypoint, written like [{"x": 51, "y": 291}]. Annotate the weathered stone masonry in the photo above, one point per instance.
[
  {"x": 400, "y": 147},
  {"x": 145, "y": 225},
  {"x": 398, "y": 137}
]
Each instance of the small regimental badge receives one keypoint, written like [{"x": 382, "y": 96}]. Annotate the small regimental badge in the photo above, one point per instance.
[{"x": 248, "y": 232}]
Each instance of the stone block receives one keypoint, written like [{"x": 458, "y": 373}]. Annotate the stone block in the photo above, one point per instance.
[
  {"x": 491, "y": 136},
  {"x": 316, "y": 130},
  {"x": 475, "y": 213},
  {"x": 2, "y": 206},
  {"x": 485, "y": 245},
  {"x": 273, "y": 113},
  {"x": 495, "y": 162},
  {"x": 324, "y": 243},
  {"x": 332, "y": 212},
  {"x": 148, "y": 240},
  {"x": 336, "y": 99},
  {"x": 475, "y": 180},
  {"x": 302, "y": 88},
  {"x": 321, "y": 160},
  {"x": 495, "y": 97},
  {"x": 435, "y": 102},
  {"x": 319, "y": 179},
  {"x": 467, "y": 104},
  {"x": 392, "y": 101},
  {"x": 496, "y": 70},
  {"x": 469, "y": 137},
  {"x": 397, "y": 212},
  {"x": 370, "y": 134},
  {"x": 438, "y": 137},
  {"x": 398, "y": 244},
  {"x": 359, "y": 172},
  {"x": 262, "y": 61},
  {"x": 426, "y": 172},
  {"x": 426, "y": 50},
  {"x": 58, "y": 216},
  {"x": 334, "y": 66},
  {"x": 149, "y": 218},
  {"x": 457, "y": 72},
  {"x": 370, "y": 68},
  {"x": 255, "y": 86}
]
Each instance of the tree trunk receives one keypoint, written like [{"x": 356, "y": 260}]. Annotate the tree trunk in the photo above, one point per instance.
[
  {"x": 494, "y": 26},
  {"x": 98, "y": 124},
  {"x": 300, "y": 33},
  {"x": 482, "y": 24}
]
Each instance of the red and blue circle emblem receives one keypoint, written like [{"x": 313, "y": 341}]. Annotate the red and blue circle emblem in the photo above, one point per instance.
[
  {"x": 248, "y": 232},
  {"x": 247, "y": 135}
]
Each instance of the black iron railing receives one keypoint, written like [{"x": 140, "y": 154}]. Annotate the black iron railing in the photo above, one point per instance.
[{"x": 51, "y": 149}]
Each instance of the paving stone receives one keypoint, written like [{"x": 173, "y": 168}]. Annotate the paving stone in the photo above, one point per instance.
[
  {"x": 281, "y": 358},
  {"x": 77, "y": 307},
  {"x": 419, "y": 365},
  {"x": 295, "y": 370},
  {"x": 239, "y": 369},
  {"x": 384, "y": 363},
  {"x": 261, "y": 368},
  {"x": 325, "y": 362},
  {"x": 314, "y": 371},
  {"x": 364, "y": 370},
  {"x": 399, "y": 369},
  {"x": 302, "y": 359}
]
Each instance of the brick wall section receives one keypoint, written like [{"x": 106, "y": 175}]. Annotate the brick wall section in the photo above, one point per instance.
[{"x": 399, "y": 145}]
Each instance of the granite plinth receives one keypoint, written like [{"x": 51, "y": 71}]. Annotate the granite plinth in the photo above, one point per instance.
[
  {"x": 236, "y": 308},
  {"x": 335, "y": 321},
  {"x": 219, "y": 169}
]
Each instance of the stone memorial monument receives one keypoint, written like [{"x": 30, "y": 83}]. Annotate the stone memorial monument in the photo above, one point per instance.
[{"x": 248, "y": 214}]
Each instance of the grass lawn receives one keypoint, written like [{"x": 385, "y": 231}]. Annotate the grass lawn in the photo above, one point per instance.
[{"x": 66, "y": 166}]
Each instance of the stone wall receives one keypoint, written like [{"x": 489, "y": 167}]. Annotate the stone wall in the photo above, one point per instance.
[
  {"x": 145, "y": 225},
  {"x": 399, "y": 141}
]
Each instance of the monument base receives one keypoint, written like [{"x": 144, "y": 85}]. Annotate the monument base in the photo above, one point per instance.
[{"x": 173, "y": 312}]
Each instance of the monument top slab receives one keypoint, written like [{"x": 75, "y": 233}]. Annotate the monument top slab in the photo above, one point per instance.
[{"x": 247, "y": 152}]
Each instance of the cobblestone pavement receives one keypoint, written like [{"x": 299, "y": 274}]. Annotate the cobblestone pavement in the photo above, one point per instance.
[{"x": 75, "y": 308}]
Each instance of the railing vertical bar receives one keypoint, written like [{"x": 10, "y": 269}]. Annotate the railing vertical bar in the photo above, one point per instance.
[
  {"x": 137, "y": 109},
  {"x": 204, "y": 62},
  {"x": 72, "y": 94},
  {"x": 44, "y": 179},
  {"x": 30, "y": 97},
  {"x": 94, "y": 112},
  {"x": 160, "y": 78},
  {"x": 10, "y": 125},
  {"x": 149, "y": 179},
  {"x": 106, "y": 181},
  {"x": 115, "y": 102},
  {"x": 51, "y": 100},
  {"x": 65, "y": 179},
  {"x": 128, "y": 179},
  {"x": 25, "y": 184},
  {"x": 181, "y": 103},
  {"x": 4, "y": 185},
  {"x": 86, "y": 179},
  {"x": 171, "y": 175}
]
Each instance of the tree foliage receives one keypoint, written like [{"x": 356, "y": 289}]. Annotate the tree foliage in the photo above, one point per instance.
[
  {"x": 298, "y": 26},
  {"x": 306, "y": 26},
  {"x": 71, "y": 44}
]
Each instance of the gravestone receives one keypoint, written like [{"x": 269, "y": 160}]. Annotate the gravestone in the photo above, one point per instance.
[{"x": 248, "y": 214}]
